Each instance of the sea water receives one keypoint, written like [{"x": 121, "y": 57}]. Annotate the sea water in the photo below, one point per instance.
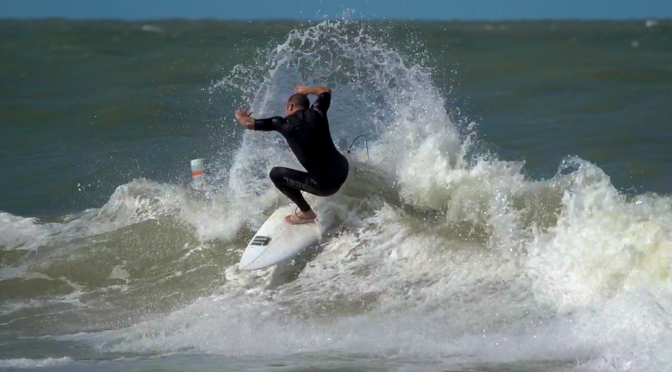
[{"x": 511, "y": 212}]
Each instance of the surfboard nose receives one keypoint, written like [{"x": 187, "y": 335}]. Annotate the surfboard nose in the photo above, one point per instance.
[
  {"x": 278, "y": 241},
  {"x": 255, "y": 249}
]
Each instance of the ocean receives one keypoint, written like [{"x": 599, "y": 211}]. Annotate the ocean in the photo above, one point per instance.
[{"x": 508, "y": 209}]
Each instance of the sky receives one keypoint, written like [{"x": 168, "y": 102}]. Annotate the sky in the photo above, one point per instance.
[{"x": 315, "y": 9}]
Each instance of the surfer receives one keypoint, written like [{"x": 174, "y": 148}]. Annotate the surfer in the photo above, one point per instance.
[{"x": 306, "y": 130}]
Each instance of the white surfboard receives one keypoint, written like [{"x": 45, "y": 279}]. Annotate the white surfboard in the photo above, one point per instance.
[{"x": 277, "y": 240}]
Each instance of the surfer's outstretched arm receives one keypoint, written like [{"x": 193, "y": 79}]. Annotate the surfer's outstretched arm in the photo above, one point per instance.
[{"x": 245, "y": 119}]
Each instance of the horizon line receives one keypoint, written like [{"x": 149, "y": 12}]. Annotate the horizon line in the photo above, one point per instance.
[{"x": 222, "y": 19}]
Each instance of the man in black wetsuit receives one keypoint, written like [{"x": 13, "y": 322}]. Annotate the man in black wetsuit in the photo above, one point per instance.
[{"x": 306, "y": 130}]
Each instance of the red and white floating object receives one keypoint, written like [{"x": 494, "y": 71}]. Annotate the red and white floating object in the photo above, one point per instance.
[{"x": 197, "y": 176}]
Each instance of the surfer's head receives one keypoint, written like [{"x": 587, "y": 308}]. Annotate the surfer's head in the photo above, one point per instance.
[{"x": 295, "y": 103}]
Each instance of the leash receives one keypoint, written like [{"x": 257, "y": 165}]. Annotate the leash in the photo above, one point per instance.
[{"x": 366, "y": 141}]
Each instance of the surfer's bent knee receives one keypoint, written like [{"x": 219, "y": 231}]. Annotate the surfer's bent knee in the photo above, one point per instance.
[{"x": 276, "y": 175}]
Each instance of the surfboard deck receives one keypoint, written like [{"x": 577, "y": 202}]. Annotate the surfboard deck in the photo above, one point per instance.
[{"x": 277, "y": 241}]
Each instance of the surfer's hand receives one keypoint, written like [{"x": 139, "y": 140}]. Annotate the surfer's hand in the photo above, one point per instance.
[
  {"x": 244, "y": 117},
  {"x": 243, "y": 113}
]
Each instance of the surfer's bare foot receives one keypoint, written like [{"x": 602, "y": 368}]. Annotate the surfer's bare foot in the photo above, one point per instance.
[{"x": 301, "y": 218}]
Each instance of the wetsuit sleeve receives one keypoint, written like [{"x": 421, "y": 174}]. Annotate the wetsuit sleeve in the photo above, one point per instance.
[
  {"x": 267, "y": 125},
  {"x": 322, "y": 103}
]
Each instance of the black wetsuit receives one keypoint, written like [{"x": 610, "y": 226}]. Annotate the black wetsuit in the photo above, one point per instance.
[{"x": 307, "y": 133}]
